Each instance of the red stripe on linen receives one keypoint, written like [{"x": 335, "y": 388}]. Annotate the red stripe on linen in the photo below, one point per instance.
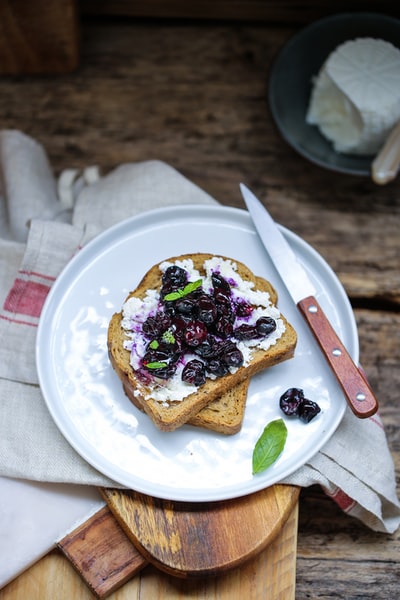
[
  {"x": 38, "y": 275},
  {"x": 26, "y": 298},
  {"x": 342, "y": 500},
  {"x": 376, "y": 419},
  {"x": 18, "y": 321}
]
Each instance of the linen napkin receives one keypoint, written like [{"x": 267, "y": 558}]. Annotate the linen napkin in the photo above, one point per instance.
[{"x": 43, "y": 223}]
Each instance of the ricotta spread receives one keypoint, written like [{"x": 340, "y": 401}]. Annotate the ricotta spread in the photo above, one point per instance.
[
  {"x": 135, "y": 311},
  {"x": 355, "y": 99}
]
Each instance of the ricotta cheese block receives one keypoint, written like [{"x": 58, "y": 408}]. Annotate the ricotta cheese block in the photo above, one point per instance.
[{"x": 355, "y": 99}]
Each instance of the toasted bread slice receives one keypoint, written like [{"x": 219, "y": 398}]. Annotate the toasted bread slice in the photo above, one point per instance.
[
  {"x": 223, "y": 415},
  {"x": 168, "y": 416}
]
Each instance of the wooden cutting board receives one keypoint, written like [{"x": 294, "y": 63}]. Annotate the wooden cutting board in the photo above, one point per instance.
[
  {"x": 198, "y": 539},
  {"x": 182, "y": 539},
  {"x": 179, "y": 538},
  {"x": 100, "y": 570}
]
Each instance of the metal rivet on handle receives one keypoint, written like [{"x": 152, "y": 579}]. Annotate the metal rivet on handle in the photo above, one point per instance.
[
  {"x": 336, "y": 352},
  {"x": 312, "y": 308},
  {"x": 360, "y": 396}
]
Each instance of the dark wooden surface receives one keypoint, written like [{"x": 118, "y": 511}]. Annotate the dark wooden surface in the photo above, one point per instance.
[
  {"x": 271, "y": 11},
  {"x": 38, "y": 37},
  {"x": 194, "y": 95}
]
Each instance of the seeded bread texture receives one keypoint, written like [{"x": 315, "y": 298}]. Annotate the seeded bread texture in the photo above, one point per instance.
[{"x": 176, "y": 413}]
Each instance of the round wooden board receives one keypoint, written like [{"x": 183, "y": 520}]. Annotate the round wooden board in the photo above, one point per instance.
[{"x": 196, "y": 539}]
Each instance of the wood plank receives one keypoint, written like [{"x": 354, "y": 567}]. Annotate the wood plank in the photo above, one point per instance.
[
  {"x": 102, "y": 554},
  {"x": 335, "y": 552},
  {"x": 38, "y": 37}
]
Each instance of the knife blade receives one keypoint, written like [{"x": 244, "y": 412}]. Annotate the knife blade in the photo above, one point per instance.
[{"x": 355, "y": 387}]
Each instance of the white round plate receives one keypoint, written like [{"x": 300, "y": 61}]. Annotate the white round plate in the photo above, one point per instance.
[{"x": 85, "y": 397}]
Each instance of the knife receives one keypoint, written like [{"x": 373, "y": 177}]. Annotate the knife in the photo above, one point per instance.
[{"x": 354, "y": 385}]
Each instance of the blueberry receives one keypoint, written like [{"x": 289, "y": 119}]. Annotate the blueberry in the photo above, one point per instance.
[
  {"x": 308, "y": 410},
  {"x": 290, "y": 401},
  {"x": 223, "y": 327},
  {"x": 217, "y": 367},
  {"x": 207, "y": 309},
  {"x": 175, "y": 276},
  {"x": 243, "y": 309},
  {"x": 195, "y": 333},
  {"x": 245, "y": 332},
  {"x": 265, "y": 325},
  {"x": 185, "y": 306},
  {"x": 194, "y": 372},
  {"x": 233, "y": 358},
  {"x": 155, "y": 326},
  {"x": 293, "y": 403},
  {"x": 220, "y": 283}
]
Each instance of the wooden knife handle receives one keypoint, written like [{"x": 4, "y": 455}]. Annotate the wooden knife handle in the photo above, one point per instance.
[{"x": 355, "y": 387}]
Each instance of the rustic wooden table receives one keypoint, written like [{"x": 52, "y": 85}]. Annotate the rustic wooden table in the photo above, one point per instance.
[{"x": 193, "y": 94}]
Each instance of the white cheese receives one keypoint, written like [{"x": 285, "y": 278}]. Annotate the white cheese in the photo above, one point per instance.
[
  {"x": 171, "y": 389},
  {"x": 355, "y": 99}
]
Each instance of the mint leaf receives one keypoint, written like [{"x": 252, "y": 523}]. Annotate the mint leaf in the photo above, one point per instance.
[
  {"x": 155, "y": 365},
  {"x": 154, "y": 345},
  {"x": 189, "y": 287},
  {"x": 173, "y": 296},
  {"x": 269, "y": 445}
]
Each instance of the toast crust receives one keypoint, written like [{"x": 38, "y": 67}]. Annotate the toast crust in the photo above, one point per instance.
[
  {"x": 223, "y": 415},
  {"x": 176, "y": 413}
]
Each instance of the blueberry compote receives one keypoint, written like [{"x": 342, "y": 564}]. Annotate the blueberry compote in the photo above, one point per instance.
[
  {"x": 196, "y": 327},
  {"x": 293, "y": 403}
]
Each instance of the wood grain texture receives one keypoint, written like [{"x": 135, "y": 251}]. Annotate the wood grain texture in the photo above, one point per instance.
[
  {"x": 198, "y": 539},
  {"x": 102, "y": 554},
  {"x": 38, "y": 37},
  {"x": 269, "y": 576},
  {"x": 194, "y": 95}
]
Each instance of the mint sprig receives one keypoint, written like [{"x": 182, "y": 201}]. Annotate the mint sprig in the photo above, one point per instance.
[
  {"x": 189, "y": 287},
  {"x": 269, "y": 445}
]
